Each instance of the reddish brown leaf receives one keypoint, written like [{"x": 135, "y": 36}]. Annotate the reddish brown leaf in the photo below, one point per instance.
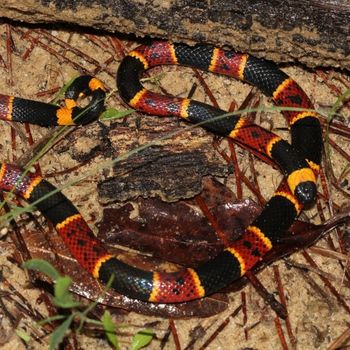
[{"x": 174, "y": 231}]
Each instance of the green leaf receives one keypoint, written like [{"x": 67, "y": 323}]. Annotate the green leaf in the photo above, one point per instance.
[
  {"x": 112, "y": 113},
  {"x": 142, "y": 339},
  {"x": 42, "y": 266},
  {"x": 23, "y": 335},
  {"x": 63, "y": 298},
  {"x": 110, "y": 329},
  {"x": 62, "y": 287},
  {"x": 59, "y": 333}
]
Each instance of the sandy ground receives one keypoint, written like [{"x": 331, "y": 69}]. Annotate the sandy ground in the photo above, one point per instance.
[{"x": 316, "y": 317}]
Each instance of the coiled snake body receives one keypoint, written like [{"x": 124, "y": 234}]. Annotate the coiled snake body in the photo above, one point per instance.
[{"x": 299, "y": 162}]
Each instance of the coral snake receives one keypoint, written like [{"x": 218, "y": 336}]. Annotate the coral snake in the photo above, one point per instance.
[{"x": 299, "y": 162}]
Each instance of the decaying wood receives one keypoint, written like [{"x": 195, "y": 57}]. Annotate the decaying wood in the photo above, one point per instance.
[
  {"x": 171, "y": 170},
  {"x": 315, "y": 33},
  {"x": 33, "y": 65}
]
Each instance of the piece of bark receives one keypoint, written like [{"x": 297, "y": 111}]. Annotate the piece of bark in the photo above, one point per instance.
[
  {"x": 171, "y": 170},
  {"x": 161, "y": 172},
  {"x": 315, "y": 33}
]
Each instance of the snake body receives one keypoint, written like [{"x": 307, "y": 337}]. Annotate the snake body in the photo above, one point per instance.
[{"x": 299, "y": 162}]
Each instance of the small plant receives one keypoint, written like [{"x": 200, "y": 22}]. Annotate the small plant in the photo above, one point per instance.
[
  {"x": 64, "y": 300},
  {"x": 112, "y": 113}
]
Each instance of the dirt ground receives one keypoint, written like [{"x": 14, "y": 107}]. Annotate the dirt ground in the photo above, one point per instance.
[{"x": 35, "y": 62}]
